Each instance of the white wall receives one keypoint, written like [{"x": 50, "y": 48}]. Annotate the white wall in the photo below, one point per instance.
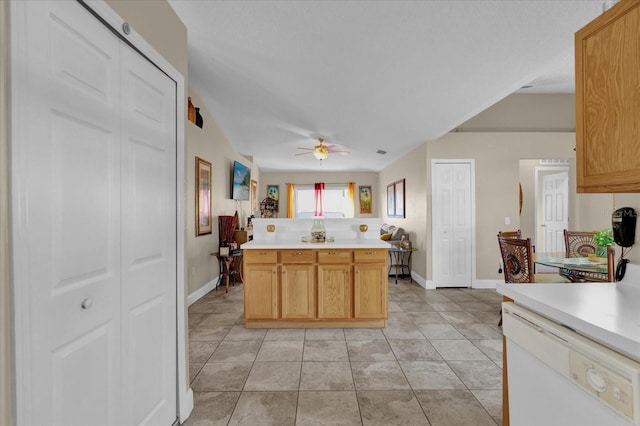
[{"x": 210, "y": 144}]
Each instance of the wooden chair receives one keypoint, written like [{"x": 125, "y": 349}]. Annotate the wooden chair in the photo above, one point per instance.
[
  {"x": 581, "y": 244},
  {"x": 517, "y": 264},
  {"x": 510, "y": 234}
]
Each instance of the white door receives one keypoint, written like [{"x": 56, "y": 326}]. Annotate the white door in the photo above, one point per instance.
[
  {"x": 94, "y": 314},
  {"x": 452, "y": 219},
  {"x": 148, "y": 137},
  {"x": 555, "y": 211}
]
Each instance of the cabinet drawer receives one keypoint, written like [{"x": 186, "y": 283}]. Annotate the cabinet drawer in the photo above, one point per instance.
[
  {"x": 261, "y": 256},
  {"x": 334, "y": 256},
  {"x": 293, "y": 256},
  {"x": 370, "y": 255}
]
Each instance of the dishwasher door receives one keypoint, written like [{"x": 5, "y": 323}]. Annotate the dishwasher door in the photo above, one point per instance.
[{"x": 558, "y": 377}]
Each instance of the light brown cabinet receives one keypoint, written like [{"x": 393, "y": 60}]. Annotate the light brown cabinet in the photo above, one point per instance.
[
  {"x": 297, "y": 284},
  {"x": 334, "y": 291},
  {"x": 260, "y": 291},
  {"x": 315, "y": 288},
  {"x": 608, "y": 101}
]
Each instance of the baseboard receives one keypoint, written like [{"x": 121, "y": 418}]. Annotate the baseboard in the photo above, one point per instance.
[
  {"x": 421, "y": 281},
  {"x": 186, "y": 405},
  {"x": 199, "y": 293},
  {"x": 485, "y": 284}
]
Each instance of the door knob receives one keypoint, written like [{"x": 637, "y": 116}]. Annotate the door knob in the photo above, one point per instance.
[{"x": 87, "y": 303}]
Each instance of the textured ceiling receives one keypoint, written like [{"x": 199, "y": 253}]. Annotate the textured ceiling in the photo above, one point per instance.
[{"x": 368, "y": 76}]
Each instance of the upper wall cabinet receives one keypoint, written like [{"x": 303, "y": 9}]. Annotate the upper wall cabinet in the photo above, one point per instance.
[{"x": 608, "y": 101}]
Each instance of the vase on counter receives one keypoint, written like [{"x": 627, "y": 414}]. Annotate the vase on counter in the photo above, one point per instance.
[{"x": 318, "y": 231}]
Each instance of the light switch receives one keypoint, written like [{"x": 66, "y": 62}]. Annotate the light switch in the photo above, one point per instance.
[{"x": 507, "y": 221}]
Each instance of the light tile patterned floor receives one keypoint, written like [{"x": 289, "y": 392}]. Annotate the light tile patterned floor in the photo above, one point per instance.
[{"x": 438, "y": 362}]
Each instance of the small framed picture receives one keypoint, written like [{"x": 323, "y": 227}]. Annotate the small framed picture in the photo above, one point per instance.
[
  {"x": 366, "y": 199},
  {"x": 273, "y": 192},
  {"x": 399, "y": 198},
  {"x": 203, "y": 197},
  {"x": 391, "y": 200},
  {"x": 254, "y": 196}
]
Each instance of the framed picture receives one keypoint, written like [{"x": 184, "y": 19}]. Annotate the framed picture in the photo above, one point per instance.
[
  {"x": 204, "y": 218},
  {"x": 399, "y": 190},
  {"x": 254, "y": 196},
  {"x": 273, "y": 192},
  {"x": 391, "y": 200},
  {"x": 366, "y": 200},
  {"x": 241, "y": 181}
]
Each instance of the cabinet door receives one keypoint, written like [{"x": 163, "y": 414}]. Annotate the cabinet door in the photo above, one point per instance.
[
  {"x": 334, "y": 291},
  {"x": 260, "y": 291},
  {"x": 370, "y": 291},
  {"x": 608, "y": 101},
  {"x": 298, "y": 291}
]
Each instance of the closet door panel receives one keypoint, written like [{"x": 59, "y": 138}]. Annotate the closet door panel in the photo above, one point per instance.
[
  {"x": 66, "y": 186},
  {"x": 148, "y": 241}
]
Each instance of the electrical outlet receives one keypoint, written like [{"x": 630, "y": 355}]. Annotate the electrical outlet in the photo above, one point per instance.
[{"x": 507, "y": 220}]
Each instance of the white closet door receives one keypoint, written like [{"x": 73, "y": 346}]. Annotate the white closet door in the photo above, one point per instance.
[
  {"x": 94, "y": 221},
  {"x": 148, "y": 241},
  {"x": 68, "y": 209},
  {"x": 452, "y": 224}
]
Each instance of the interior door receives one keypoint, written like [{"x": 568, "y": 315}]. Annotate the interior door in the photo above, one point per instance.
[
  {"x": 555, "y": 211},
  {"x": 452, "y": 224},
  {"x": 94, "y": 272},
  {"x": 148, "y": 135}
]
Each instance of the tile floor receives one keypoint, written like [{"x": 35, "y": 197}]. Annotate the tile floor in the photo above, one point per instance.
[{"x": 438, "y": 362}]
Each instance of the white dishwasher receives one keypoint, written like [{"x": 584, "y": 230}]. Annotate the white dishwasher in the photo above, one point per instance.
[{"x": 559, "y": 377}]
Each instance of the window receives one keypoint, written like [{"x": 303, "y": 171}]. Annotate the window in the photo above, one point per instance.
[{"x": 335, "y": 201}]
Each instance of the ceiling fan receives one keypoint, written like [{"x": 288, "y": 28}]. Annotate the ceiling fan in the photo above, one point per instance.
[{"x": 322, "y": 151}]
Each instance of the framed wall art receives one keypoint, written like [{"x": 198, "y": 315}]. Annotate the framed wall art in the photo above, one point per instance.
[
  {"x": 391, "y": 200},
  {"x": 273, "y": 192},
  {"x": 254, "y": 196},
  {"x": 399, "y": 193},
  {"x": 366, "y": 199},
  {"x": 241, "y": 181},
  {"x": 204, "y": 218}
]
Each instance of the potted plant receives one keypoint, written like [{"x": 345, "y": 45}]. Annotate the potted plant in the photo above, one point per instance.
[{"x": 603, "y": 239}]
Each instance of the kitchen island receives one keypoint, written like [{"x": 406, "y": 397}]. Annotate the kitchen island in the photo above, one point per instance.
[{"x": 293, "y": 284}]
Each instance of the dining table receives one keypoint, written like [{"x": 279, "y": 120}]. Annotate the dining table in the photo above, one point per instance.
[{"x": 579, "y": 269}]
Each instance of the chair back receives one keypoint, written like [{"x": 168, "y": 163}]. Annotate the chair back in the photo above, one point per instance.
[
  {"x": 517, "y": 259},
  {"x": 579, "y": 243},
  {"x": 510, "y": 234},
  {"x": 226, "y": 227}
]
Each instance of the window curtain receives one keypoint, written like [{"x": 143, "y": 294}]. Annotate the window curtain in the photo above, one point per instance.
[
  {"x": 291, "y": 206},
  {"x": 318, "y": 194},
  {"x": 351, "y": 198}
]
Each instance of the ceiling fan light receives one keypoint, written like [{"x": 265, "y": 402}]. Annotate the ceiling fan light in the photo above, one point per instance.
[{"x": 320, "y": 155}]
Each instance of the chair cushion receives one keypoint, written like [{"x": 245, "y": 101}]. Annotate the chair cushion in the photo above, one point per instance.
[{"x": 386, "y": 236}]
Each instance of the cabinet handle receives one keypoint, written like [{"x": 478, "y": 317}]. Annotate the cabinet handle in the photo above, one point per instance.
[
  {"x": 334, "y": 253},
  {"x": 261, "y": 253},
  {"x": 370, "y": 252},
  {"x": 298, "y": 253}
]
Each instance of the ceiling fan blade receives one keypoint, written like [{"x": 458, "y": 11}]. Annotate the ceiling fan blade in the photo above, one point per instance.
[
  {"x": 341, "y": 152},
  {"x": 306, "y": 149},
  {"x": 304, "y": 153}
]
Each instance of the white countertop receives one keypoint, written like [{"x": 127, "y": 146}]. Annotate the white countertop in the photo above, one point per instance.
[
  {"x": 605, "y": 312},
  {"x": 347, "y": 243}
]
